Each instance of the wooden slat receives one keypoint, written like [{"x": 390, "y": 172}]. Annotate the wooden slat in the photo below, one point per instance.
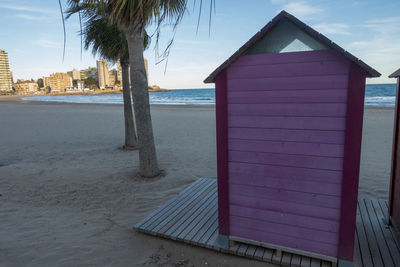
[
  {"x": 209, "y": 233},
  {"x": 283, "y": 173},
  {"x": 169, "y": 207},
  {"x": 289, "y": 83},
  {"x": 288, "y": 160},
  {"x": 372, "y": 242},
  {"x": 255, "y": 177},
  {"x": 198, "y": 236},
  {"x": 278, "y": 58},
  {"x": 357, "y": 253},
  {"x": 315, "y": 263},
  {"x": 268, "y": 255},
  {"x": 329, "y": 264},
  {"x": 384, "y": 250},
  {"x": 384, "y": 207},
  {"x": 285, "y": 230},
  {"x": 288, "y": 96},
  {"x": 285, "y": 218},
  {"x": 182, "y": 223},
  {"x": 285, "y": 241},
  {"x": 276, "y": 257},
  {"x": 302, "y": 123},
  {"x": 268, "y": 193},
  {"x": 167, "y": 221},
  {"x": 284, "y": 147},
  {"x": 286, "y": 207},
  {"x": 233, "y": 248},
  {"x": 286, "y": 259},
  {"x": 289, "y": 70},
  {"x": 242, "y": 249},
  {"x": 289, "y": 109},
  {"x": 296, "y": 260},
  {"x": 170, "y": 203},
  {"x": 288, "y": 135},
  {"x": 391, "y": 243},
  {"x": 212, "y": 213},
  {"x": 199, "y": 220},
  {"x": 211, "y": 241},
  {"x": 305, "y": 261},
  {"x": 251, "y": 250},
  {"x": 259, "y": 253},
  {"x": 363, "y": 241}
]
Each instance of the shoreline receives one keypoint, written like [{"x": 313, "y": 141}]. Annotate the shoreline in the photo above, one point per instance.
[{"x": 19, "y": 99}]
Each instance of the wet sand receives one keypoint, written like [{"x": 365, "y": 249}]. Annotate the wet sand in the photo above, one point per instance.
[{"x": 69, "y": 196}]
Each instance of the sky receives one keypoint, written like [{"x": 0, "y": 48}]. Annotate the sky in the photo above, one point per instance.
[{"x": 31, "y": 32}]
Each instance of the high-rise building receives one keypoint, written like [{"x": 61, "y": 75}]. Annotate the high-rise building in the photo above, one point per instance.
[
  {"x": 75, "y": 74},
  {"x": 57, "y": 82},
  {"x": 5, "y": 74},
  {"x": 102, "y": 74}
]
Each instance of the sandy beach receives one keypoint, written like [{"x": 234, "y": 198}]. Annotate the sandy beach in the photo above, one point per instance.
[{"x": 69, "y": 196}]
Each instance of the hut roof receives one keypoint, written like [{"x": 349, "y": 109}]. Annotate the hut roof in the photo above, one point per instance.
[
  {"x": 395, "y": 74},
  {"x": 370, "y": 72}
]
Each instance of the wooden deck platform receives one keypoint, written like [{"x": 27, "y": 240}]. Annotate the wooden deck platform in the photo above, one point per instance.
[{"x": 192, "y": 217}]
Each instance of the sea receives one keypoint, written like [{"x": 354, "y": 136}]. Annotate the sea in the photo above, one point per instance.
[{"x": 378, "y": 95}]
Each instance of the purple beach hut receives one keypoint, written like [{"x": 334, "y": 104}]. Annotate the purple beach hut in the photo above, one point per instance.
[
  {"x": 394, "y": 191},
  {"x": 289, "y": 111}
]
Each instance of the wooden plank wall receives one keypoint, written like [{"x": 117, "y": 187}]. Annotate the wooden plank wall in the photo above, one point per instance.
[{"x": 286, "y": 130}]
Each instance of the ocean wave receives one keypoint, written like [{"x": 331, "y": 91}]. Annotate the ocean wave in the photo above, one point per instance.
[{"x": 383, "y": 95}]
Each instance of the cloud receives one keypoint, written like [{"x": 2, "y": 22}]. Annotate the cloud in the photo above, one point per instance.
[
  {"x": 30, "y": 17},
  {"x": 332, "y": 28},
  {"x": 381, "y": 48},
  {"x": 27, "y": 9},
  {"x": 303, "y": 10},
  {"x": 387, "y": 26},
  {"x": 46, "y": 43},
  {"x": 278, "y": 2}
]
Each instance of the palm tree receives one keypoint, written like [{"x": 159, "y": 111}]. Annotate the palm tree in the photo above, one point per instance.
[
  {"x": 133, "y": 16},
  {"x": 109, "y": 41}
]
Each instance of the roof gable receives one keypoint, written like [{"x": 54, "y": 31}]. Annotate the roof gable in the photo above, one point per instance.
[
  {"x": 285, "y": 36},
  {"x": 395, "y": 74},
  {"x": 262, "y": 43}
]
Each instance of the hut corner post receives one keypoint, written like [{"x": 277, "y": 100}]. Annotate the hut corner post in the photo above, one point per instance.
[
  {"x": 351, "y": 165},
  {"x": 221, "y": 86},
  {"x": 394, "y": 150}
]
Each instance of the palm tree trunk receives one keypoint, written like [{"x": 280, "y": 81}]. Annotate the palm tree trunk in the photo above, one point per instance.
[
  {"x": 130, "y": 134},
  {"x": 147, "y": 150}
]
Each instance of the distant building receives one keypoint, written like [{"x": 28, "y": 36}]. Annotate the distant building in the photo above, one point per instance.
[
  {"x": 88, "y": 73},
  {"x": 146, "y": 66},
  {"x": 5, "y": 74},
  {"x": 58, "y": 82},
  {"x": 83, "y": 74},
  {"x": 112, "y": 74},
  {"x": 119, "y": 71},
  {"x": 102, "y": 74},
  {"x": 23, "y": 87},
  {"x": 80, "y": 85},
  {"x": 75, "y": 74},
  {"x": 46, "y": 82}
]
